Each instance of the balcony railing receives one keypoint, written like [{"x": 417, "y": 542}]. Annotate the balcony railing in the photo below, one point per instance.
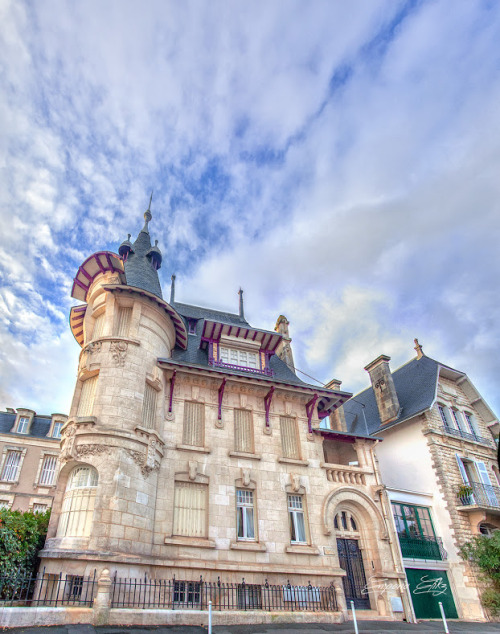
[
  {"x": 240, "y": 368},
  {"x": 423, "y": 547},
  {"x": 463, "y": 434},
  {"x": 479, "y": 494}
]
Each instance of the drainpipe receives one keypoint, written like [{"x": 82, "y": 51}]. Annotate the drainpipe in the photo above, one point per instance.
[{"x": 395, "y": 548}]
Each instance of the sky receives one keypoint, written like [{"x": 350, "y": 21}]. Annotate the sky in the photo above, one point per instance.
[{"x": 340, "y": 161}]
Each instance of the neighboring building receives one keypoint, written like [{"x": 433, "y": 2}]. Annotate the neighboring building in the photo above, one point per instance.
[
  {"x": 29, "y": 448},
  {"x": 192, "y": 449},
  {"x": 438, "y": 463}
]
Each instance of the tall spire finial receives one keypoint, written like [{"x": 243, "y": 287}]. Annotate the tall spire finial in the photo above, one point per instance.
[
  {"x": 242, "y": 312},
  {"x": 147, "y": 214}
]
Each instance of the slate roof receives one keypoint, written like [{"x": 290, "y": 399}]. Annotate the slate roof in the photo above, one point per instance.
[
  {"x": 39, "y": 427},
  {"x": 138, "y": 269},
  {"x": 415, "y": 384},
  {"x": 194, "y": 355}
]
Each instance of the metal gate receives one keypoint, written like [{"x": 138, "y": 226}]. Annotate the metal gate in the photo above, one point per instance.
[{"x": 351, "y": 561}]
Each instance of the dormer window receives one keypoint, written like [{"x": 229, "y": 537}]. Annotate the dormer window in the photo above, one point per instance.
[
  {"x": 241, "y": 358},
  {"x": 192, "y": 325},
  {"x": 56, "y": 432},
  {"x": 23, "y": 425}
]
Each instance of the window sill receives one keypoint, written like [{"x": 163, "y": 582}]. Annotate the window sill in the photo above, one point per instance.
[
  {"x": 302, "y": 549},
  {"x": 244, "y": 454},
  {"x": 253, "y": 546},
  {"x": 194, "y": 542},
  {"x": 304, "y": 463},
  {"x": 192, "y": 448}
]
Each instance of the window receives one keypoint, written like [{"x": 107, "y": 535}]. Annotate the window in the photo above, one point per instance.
[
  {"x": 445, "y": 416},
  {"x": 39, "y": 508},
  {"x": 344, "y": 522},
  {"x": 457, "y": 417},
  {"x": 149, "y": 407},
  {"x": 75, "y": 587},
  {"x": 87, "y": 395},
  {"x": 78, "y": 503},
  {"x": 487, "y": 529},
  {"x": 412, "y": 521},
  {"x": 98, "y": 330},
  {"x": 193, "y": 431},
  {"x": 245, "y": 514},
  {"x": 56, "y": 432},
  {"x": 289, "y": 437},
  {"x": 123, "y": 322},
  {"x": 192, "y": 325},
  {"x": 22, "y": 426},
  {"x": 4, "y": 504},
  {"x": 471, "y": 422},
  {"x": 249, "y": 596},
  {"x": 48, "y": 472},
  {"x": 297, "y": 522},
  {"x": 243, "y": 431},
  {"x": 242, "y": 358},
  {"x": 190, "y": 509},
  {"x": 10, "y": 471},
  {"x": 187, "y": 592}
]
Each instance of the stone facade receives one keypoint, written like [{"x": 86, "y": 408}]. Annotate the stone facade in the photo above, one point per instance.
[
  {"x": 29, "y": 447},
  {"x": 159, "y": 451}
]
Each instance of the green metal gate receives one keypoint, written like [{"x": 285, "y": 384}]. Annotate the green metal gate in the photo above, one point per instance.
[{"x": 427, "y": 589}]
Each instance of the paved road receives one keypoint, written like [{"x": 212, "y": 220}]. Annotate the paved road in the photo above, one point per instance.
[{"x": 365, "y": 627}]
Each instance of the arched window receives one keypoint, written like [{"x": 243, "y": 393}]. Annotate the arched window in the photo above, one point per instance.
[
  {"x": 487, "y": 529},
  {"x": 78, "y": 503},
  {"x": 344, "y": 522}
]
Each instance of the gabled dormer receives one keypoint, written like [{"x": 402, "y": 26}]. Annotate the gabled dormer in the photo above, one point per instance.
[{"x": 24, "y": 419}]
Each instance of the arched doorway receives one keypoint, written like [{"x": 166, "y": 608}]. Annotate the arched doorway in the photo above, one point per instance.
[{"x": 351, "y": 559}]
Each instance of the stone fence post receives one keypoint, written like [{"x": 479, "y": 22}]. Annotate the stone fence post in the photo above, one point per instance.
[
  {"x": 102, "y": 601},
  {"x": 339, "y": 593}
]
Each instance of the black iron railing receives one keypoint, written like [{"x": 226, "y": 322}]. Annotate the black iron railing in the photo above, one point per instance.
[
  {"x": 48, "y": 590},
  {"x": 479, "y": 494},
  {"x": 463, "y": 434},
  {"x": 423, "y": 547},
  {"x": 195, "y": 595}
]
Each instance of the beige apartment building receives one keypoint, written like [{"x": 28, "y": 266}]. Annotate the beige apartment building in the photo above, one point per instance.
[
  {"x": 29, "y": 448},
  {"x": 438, "y": 462},
  {"x": 192, "y": 449}
]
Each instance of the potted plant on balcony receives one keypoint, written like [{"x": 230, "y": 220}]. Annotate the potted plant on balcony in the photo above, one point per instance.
[{"x": 464, "y": 491}]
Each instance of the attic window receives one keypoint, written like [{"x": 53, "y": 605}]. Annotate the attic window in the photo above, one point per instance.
[
  {"x": 192, "y": 325},
  {"x": 242, "y": 358},
  {"x": 234, "y": 358}
]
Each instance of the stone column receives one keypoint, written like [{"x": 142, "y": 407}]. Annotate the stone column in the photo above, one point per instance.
[
  {"x": 102, "y": 601},
  {"x": 339, "y": 593}
]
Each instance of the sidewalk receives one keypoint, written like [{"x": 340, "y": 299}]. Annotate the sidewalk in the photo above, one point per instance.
[{"x": 365, "y": 627}]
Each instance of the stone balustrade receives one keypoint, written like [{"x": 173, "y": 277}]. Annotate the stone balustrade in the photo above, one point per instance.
[{"x": 345, "y": 474}]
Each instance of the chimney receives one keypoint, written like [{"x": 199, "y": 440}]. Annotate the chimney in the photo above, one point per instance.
[
  {"x": 337, "y": 417},
  {"x": 384, "y": 389},
  {"x": 284, "y": 349}
]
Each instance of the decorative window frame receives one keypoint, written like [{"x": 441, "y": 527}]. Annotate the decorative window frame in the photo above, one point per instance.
[
  {"x": 40, "y": 500},
  {"x": 119, "y": 305},
  {"x": 9, "y": 498},
  {"x": 23, "y": 413},
  {"x": 43, "y": 455},
  {"x": 5, "y": 451},
  {"x": 56, "y": 418},
  {"x": 98, "y": 312},
  {"x": 245, "y": 543},
  {"x": 263, "y": 356},
  {"x": 203, "y": 448}
]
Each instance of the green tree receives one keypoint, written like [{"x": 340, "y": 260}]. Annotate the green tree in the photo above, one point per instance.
[
  {"x": 485, "y": 553},
  {"x": 22, "y": 535}
]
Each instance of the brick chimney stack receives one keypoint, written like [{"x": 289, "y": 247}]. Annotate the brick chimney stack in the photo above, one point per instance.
[{"x": 384, "y": 389}]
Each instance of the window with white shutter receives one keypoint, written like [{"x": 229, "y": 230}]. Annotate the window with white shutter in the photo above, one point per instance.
[
  {"x": 241, "y": 358},
  {"x": 289, "y": 437},
  {"x": 10, "y": 471},
  {"x": 87, "y": 395},
  {"x": 149, "y": 407},
  {"x": 123, "y": 322},
  {"x": 190, "y": 509},
  {"x": 243, "y": 431},
  {"x": 193, "y": 431},
  {"x": 48, "y": 472}
]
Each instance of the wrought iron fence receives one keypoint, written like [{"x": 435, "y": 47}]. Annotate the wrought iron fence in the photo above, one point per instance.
[
  {"x": 184, "y": 595},
  {"x": 47, "y": 590},
  {"x": 480, "y": 494}
]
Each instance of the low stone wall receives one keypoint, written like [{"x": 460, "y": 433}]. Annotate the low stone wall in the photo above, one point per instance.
[{"x": 23, "y": 617}]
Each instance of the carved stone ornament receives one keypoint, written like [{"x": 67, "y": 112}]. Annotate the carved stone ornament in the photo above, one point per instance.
[
  {"x": 380, "y": 384},
  {"x": 68, "y": 443},
  {"x": 170, "y": 416},
  {"x": 141, "y": 459},
  {"x": 245, "y": 476},
  {"x": 94, "y": 347},
  {"x": 91, "y": 450},
  {"x": 192, "y": 469},
  {"x": 295, "y": 481},
  {"x": 118, "y": 351}
]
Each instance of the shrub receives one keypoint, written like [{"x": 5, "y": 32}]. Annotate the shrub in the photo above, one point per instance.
[
  {"x": 485, "y": 553},
  {"x": 22, "y": 535}
]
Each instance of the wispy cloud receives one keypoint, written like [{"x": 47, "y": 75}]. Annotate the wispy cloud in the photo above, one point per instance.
[{"x": 339, "y": 162}]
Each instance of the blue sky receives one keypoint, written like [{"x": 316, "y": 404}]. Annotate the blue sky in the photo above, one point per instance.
[{"x": 339, "y": 161}]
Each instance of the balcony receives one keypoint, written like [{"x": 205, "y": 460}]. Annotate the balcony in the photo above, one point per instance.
[
  {"x": 423, "y": 547},
  {"x": 474, "y": 437},
  {"x": 477, "y": 494}
]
